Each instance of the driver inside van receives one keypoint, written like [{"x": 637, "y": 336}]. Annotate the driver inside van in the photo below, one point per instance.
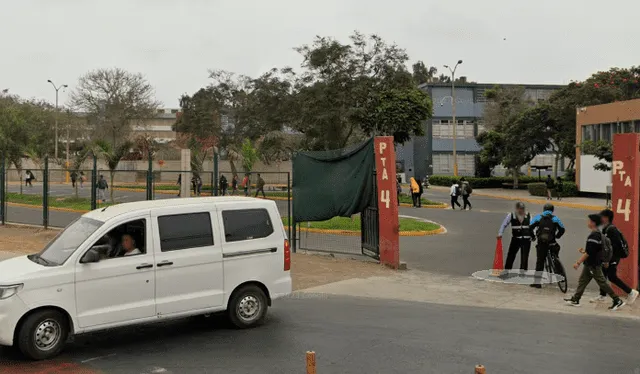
[{"x": 129, "y": 246}]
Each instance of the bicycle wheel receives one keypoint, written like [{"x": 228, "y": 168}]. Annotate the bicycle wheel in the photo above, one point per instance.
[{"x": 559, "y": 269}]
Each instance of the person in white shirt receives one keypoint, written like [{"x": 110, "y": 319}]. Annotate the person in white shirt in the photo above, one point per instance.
[
  {"x": 129, "y": 246},
  {"x": 455, "y": 192}
]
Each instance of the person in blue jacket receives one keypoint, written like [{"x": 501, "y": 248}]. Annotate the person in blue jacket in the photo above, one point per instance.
[{"x": 546, "y": 229}]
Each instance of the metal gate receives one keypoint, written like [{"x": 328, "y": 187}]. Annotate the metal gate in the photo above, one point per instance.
[{"x": 369, "y": 226}]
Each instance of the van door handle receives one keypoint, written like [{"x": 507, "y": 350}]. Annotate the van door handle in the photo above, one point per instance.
[
  {"x": 165, "y": 263},
  {"x": 144, "y": 266}
]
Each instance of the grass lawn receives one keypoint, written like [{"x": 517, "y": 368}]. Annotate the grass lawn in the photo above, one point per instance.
[
  {"x": 68, "y": 202},
  {"x": 348, "y": 224},
  {"x": 406, "y": 199}
]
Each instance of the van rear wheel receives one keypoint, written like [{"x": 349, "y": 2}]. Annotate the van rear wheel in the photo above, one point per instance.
[
  {"x": 248, "y": 307},
  {"x": 43, "y": 335}
]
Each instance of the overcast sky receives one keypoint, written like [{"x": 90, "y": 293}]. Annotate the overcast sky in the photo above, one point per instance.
[{"x": 175, "y": 42}]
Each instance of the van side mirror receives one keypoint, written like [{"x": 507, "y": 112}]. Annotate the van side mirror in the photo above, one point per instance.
[{"x": 92, "y": 256}]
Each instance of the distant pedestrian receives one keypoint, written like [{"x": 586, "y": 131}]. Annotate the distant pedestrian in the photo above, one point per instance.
[
  {"x": 592, "y": 261},
  {"x": 549, "y": 184},
  {"x": 398, "y": 189},
  {"x": 223, "y": 185},
  {"x": 454, "y": 192},
  {"x": 29, "y": 178},
  {"x": 245, "y": 184},
  {"x": 179, "y": 183},
  {"x": 83, "y": 178},
  {"x": 559, "y": 187},
  {"x": 260, "y": 186},
  {"x": 197, "y": 184},
  {"x": 234, "y": 184},
  {"x": 466, "y": 192},
  {"x": 74, "y": 178},
  {"x": 415, "y": 190},
  {"x": 102, "y": 189}
]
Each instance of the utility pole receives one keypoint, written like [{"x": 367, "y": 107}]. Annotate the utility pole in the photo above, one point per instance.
[
  {"x": 57, "y": 88},
  {"x": 453, "y": 115}
]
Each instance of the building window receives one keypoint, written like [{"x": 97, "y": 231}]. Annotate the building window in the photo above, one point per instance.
[
  {"x": 637, "y": 125},
  {"x": 182, "y": 231},
  {"x": 174, "y": 111}
]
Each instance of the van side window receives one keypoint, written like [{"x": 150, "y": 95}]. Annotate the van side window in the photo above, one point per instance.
[
  {"x": 182, "y": 231},
  {"x": 127, "y": 239},
  {"x": 246, "y": 224}
]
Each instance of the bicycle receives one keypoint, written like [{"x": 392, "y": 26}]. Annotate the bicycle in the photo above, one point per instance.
[{"x": 554, "y": 266}]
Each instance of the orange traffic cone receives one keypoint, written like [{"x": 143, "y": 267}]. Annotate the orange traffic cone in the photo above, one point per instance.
[{"x": 498, "y": 266}]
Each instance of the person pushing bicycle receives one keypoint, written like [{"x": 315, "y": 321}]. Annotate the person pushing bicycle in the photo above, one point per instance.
[{"x": 546, "y": 228}]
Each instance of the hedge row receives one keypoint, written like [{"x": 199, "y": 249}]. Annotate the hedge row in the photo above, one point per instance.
[
  {"x": 540, "y": 189},
  {"x": 492, "y": 182}
]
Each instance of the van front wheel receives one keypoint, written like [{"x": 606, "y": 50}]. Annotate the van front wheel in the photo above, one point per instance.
[
  {"x": 43, "y": 335},
  {"x": 248, "y": 307}
]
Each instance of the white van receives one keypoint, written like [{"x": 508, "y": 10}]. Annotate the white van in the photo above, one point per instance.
[{"x": 143, "y": 262}]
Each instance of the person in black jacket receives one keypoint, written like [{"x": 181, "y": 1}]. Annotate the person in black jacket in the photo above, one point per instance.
[
  {"x": 611, "y": 271},
  {"x": 591, "y": 261},
  {"x": 420, "y": 192},
  {"x": 520, "y": 236}
]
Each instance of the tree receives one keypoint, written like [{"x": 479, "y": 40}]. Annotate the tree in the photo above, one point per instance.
[
  {"x": 422, "y": 74},
  {"x": 111, "y": 155},
  {"x": 602, "y": 150},
  {"x": 514, "y": 133},
  {"x": 249, "y": 155},
  {"x": 341, "y": 85},
  {"x": 114, "y": 100}
]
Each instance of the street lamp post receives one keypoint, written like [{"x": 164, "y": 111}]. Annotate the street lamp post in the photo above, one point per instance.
[
  {"x": 453, "y": 114},
  {"x": 57, "y": 88}
]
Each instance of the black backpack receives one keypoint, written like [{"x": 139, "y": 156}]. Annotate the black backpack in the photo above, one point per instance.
[
  {"x": 607, "y": 248},
  {"x": 546, "y": 230},
  {"x": 624, "y": 250}
]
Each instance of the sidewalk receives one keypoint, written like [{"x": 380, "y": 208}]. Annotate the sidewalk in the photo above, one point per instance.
[{"x": 523, "y": 195}]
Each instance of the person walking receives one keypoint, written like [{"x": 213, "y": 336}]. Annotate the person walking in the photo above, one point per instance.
[
  {"x": 223, "y": 185},
  {"x": 179, "y": 183},
  {"x": 454, "y": 193},
  {"x": 549, "y": 184},
  {"x": 546, "y": 228},
  {"x": 415, "y": 190},
  {"x": 559, "y": 188},
  {"x": 28, "y": 178},
  {"x": 245, "y": 184},
  {"x": 620, "y": 251},
  {"x": 234, "y": 184},
  {"x": 398, "y": 189},
  {"x": 83, "y": 179},
  {"x": 260, "y": 187},
  {"x": 420, "y": 192},
  {"x": 466, "y": 192},
  {"x": 102, "y": 189},
  {"x": 520, "y": 236},
  {"x": 592, "y": 261},
  {"x": 74, "y": 178}
]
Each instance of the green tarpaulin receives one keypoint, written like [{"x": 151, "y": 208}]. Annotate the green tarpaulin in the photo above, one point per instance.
[{"x": 333, "y": 183}]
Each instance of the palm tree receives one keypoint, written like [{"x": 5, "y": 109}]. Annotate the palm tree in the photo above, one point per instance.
[{"x": 112, "y": 156}]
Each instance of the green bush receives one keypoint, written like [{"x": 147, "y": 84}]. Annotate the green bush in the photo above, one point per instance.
[
  {"x": 540, "y": 189},
  {"x": 491, "y": 182}
]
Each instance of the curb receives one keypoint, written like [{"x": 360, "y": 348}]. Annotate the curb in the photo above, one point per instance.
[
  {"x": 437, "y": 231},
  {"x": 21, "y": 205},
  {"x": 432, "y": 206}
]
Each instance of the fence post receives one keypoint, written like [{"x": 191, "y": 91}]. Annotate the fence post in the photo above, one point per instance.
[
  {"x": 289, "y": 203},
  {"x": 214, "y": 180},
  {"x": 3, "y": 191},
  {"x": 45, "y": 194},
  {"x": 311, "y": 362},
  {"x": 94, "y": 181},
  {"x": 149, "y": 179},
  {"x": 480, "y": 370}
]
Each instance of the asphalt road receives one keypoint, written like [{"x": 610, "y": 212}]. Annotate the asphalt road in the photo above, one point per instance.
[
  {"x": 353, "y": 335},
  {"x": 470, "y": 242}
]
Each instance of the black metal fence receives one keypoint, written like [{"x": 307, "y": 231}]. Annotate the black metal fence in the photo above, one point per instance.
[{"x": 52, "y": 196}]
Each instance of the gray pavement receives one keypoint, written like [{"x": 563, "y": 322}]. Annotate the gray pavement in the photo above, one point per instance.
[{"x": 351, "y": 335}]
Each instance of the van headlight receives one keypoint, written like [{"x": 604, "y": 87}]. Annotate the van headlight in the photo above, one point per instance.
[{"x": 8, "y": 291}]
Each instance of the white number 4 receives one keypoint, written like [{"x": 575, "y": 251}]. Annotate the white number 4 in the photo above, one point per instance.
[
  {"x": 385, "y": 197},
  {"x": 626, "y": 210}
]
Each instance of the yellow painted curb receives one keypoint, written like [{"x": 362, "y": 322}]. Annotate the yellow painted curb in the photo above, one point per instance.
[
  {"x": 21, "y": 205},
  {"x": 437, "y": 231},
  {"x": 437, "y": 206}
]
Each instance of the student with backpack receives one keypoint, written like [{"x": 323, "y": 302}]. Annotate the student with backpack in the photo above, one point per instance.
[
  {"x": 547, "y": 228},
  {"x": 455, "y": 192},
  {"x": 598, "y": 251},
  {"x": 466, "y": 191},
  {"x": 620, "y": 250}
]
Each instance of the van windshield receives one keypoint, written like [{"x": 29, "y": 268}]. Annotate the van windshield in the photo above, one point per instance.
[{"x": 63, "y": 245}]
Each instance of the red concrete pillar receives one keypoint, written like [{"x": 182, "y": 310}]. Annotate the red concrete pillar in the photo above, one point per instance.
[
  {"x": 387, "y": 201},
  {"x": 625, "y": 199}
]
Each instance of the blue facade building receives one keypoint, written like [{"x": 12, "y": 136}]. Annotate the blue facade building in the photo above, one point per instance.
[{"x": 433, "y": 153}]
